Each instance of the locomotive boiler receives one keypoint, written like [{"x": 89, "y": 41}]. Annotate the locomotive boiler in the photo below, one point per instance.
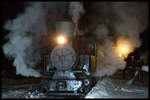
[{"x": 70, "y": 64}]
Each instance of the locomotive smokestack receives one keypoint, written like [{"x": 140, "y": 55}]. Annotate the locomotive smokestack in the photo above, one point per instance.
[{"x": 65, "y": 28}]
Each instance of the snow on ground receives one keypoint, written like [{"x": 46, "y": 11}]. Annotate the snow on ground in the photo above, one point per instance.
[
  {"x": 22, "y": 93},
  {"x": 105, "y": 88},
  {"x": 110, "y": 88}
]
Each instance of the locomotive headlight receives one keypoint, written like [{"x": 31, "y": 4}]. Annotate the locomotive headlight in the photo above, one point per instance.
[{"x": 61, "y": 40}]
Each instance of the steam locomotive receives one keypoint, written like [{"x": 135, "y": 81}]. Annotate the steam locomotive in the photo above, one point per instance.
[{"x": 71, "y": 63}]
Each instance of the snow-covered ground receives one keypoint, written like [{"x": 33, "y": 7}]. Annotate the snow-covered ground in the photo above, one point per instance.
[
  {"x": 105, "y": 88},
  {"x": 111, "y": 88},
  {"x": 22, "y": 93}
]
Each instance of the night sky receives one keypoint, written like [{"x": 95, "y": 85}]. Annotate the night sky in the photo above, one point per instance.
[{"x": 9, "y": 11}]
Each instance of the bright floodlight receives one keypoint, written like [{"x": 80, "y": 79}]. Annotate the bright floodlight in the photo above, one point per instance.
[{"x": 123, "y": 47}]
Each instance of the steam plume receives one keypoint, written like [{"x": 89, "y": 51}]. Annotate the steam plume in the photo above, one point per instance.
[
  {"x": 76, "y": 10},
  {"x": 109, "y": 21},
  {"x": 25, "y": 32},
  {"x": 105, "y": 21}
]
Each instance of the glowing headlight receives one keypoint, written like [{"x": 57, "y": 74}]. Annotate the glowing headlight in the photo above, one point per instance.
[{"x": 61, "y": 40}]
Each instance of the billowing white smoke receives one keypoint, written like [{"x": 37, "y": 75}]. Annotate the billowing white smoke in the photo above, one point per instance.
[
  {"x": 76, "y": 10},
  {"x": 107, "y": 63},
  {"x": 25, "y": 32},
  {"x": 106, "y": 21},
  {"x": 130, "y": 23},
  {"x": 109, "y": 21}
]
